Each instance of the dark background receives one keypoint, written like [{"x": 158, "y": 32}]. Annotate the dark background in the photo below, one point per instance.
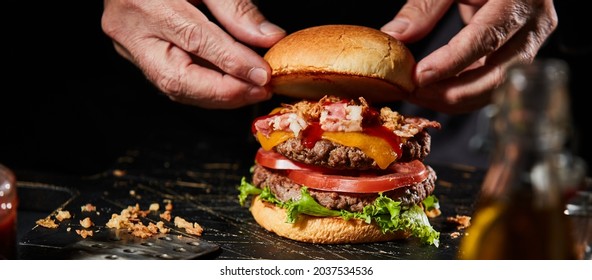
[{"x": 70, "y": 104}]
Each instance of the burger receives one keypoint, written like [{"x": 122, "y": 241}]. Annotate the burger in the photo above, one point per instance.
[{"x": 331, "y": 167}]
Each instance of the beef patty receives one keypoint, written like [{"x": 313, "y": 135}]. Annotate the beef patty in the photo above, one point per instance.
[
  {"x": 332, "y": 155},
  {"x": 285, "y": 189}
]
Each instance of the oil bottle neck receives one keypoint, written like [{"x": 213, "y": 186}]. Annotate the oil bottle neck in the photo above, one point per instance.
[{"x": 531, "y": 126}]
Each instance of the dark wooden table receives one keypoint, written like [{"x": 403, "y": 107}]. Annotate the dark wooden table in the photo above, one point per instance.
[{"x": 200, "y": 175}]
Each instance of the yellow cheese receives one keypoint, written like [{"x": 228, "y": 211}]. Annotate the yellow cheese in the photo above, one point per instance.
[
  {"x": 275, "y": 138},
  {"x": 375, "y": 147}
]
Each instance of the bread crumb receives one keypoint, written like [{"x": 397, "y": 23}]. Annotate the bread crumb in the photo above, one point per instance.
[
  {"x": 84, "y": 233},
  {"x": 168, "y": 206},
  {"x": 118, "y": 221},
  {"x": 86, "y": 223},
  {"x": 140, "y": 230},
  {"x": 63, "y": 215},
  {"x": 88, "y": 208},
  {"x": 454, "y": 235},
  {"x": 68, "y": 229},
  {"x": 166, "y": 215},
  {"x": 47, "y": 222},
  {"x": 129, "y": 219},
  {"x": 191, "y": 228},
  {"x": 433, "y": 213},
  {"x": 461, "y": 221},
  {"x": 161, "y": 227},
  {"x": 154, "y": 207}
]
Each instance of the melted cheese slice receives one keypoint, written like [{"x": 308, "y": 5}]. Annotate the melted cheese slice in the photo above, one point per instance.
[
  {"x": 375, "y": 147},
  {"x": 274, "y": 139}
]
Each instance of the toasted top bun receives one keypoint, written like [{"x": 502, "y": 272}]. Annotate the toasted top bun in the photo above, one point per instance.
[
  {"x": 322, "y": 230},
  {"x": 342, "y": 60}
]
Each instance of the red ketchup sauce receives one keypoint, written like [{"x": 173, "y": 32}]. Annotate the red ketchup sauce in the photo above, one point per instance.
[
  {"x": 314, "y": 133},
  {"x": 370, "y": 125}
]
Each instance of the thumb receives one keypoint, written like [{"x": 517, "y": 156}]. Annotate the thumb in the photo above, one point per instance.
[
  {"x": 244, "y": 21},
  {"x": 416, "y": 19}
]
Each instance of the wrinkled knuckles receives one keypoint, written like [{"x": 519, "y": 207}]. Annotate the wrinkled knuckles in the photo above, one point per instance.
[
  {"x": 228, "y": 62},
  {"x": 245, "y": 8},
  {"x": 494, "y": 38},
  {"x": 191, "y": 37},
  {"x": 547, "y": 25},
  {"x": 170, "y": 85},
  {"x": 529, "y": 53}
]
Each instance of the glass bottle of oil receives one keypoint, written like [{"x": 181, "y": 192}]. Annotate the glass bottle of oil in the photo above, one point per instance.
[{"x": 519, "y": 212}]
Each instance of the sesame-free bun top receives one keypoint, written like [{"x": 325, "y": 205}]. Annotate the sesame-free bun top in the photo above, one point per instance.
[{"x": 343, "y": 60}]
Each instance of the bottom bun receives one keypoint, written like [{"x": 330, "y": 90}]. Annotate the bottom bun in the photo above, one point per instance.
[{"x": 322, "y": 230}]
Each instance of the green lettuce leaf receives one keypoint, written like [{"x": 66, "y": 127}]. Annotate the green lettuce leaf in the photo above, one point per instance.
[
  {"x": 245, "y": 190},
  {"x": 385, "y": 212},
  {"x": 430, "y": 203},
  {"x": 308, "y": 206}
]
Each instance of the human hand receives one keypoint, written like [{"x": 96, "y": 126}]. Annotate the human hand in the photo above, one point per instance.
[
  {"x": 460, "y": 76},
  {"x": 189, "y": 58}
]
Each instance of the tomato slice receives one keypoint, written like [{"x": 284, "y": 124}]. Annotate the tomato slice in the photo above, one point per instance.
[
  {"x": 273, "y": 160},
  {"x": 396, "y": 176},
  {"x": 405, "y": 174}
]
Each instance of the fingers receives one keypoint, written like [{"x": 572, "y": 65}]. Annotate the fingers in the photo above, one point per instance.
[
  {"x": 485, "y": 34},
  {"x": 222, "y": 92},
  {"x": 467, "y": 12},
  {"x": 416, "y": 19},
  {"x": 524, "y": 45},
  {"x": 185, "y": 55},
  {"x": 218, "y": 90},
  {"x": 242, "y": 19},
  {"x": 464, "y": 93},
  {"x": 476, "y": 69},
  {"x": 187, "y": 28},
  {"x": 174, "y": 72}
]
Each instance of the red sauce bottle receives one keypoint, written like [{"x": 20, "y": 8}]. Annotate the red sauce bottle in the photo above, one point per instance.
[{"x": 8, "y": 209}]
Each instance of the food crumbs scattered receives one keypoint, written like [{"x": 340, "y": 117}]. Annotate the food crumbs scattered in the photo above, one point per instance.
[
  {"x": 88, "y": 208},
  {"x": 166, "y": 215},
  {"x": 168, "y": 206},
  {"x": 47, "y": 222},
  {"x": 433, "y": 213},
  {"x": 63, "y": 215},
  {"x": 129, "y": 219},
  {"x": 461, "y": 221},
  {"x": 154, "y": 207},
  {"x": 84, "y": 233},
  {"x": 86, "y": 223},
  {"x": 191, "y": 228}
]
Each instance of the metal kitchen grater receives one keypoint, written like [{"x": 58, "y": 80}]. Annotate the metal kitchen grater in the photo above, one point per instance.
[{"x": 120, "y": 245}]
